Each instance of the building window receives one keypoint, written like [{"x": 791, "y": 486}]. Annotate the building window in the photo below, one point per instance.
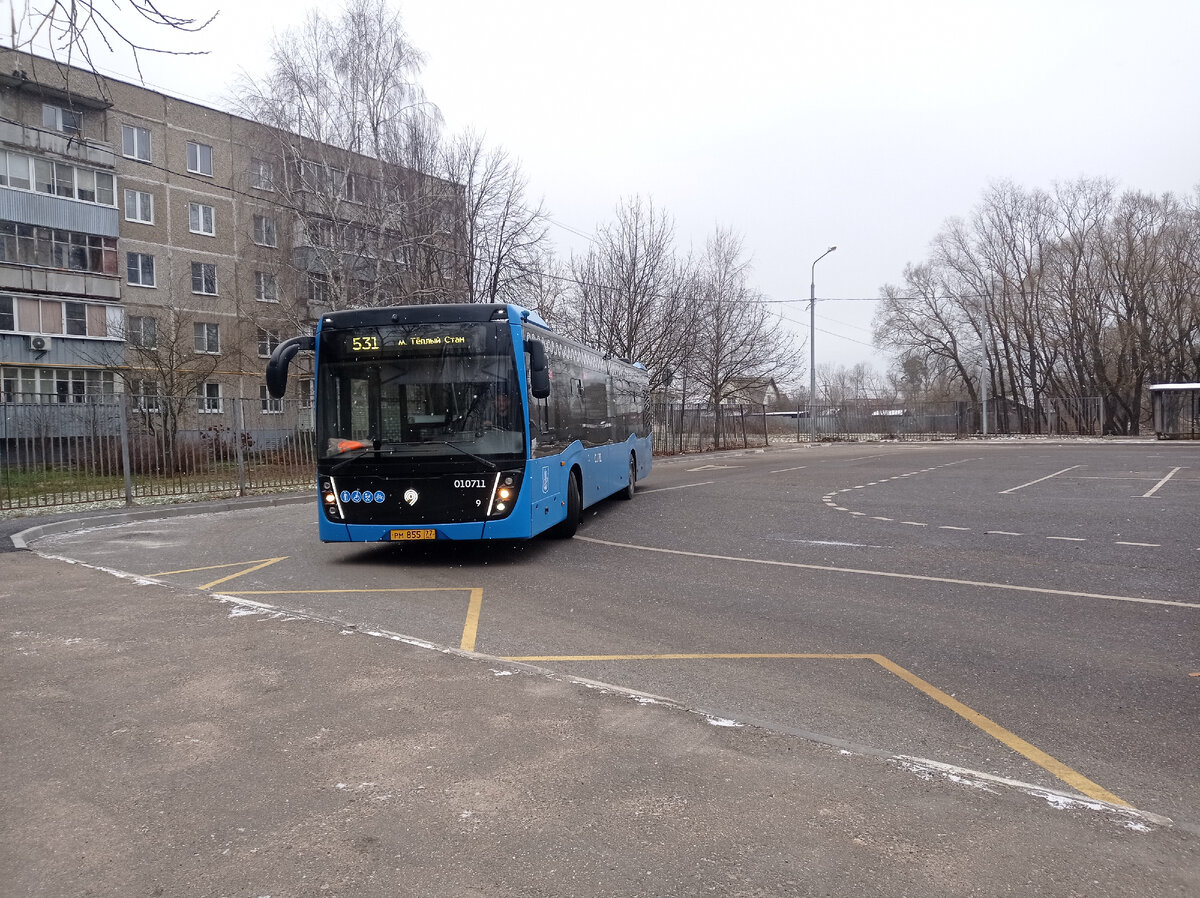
[
  {"x": 267, "y": 341},
  {"x": 145, "y": 395},
  {"x": 204, "y": 278},
  {"x": 264, "y": 230},
  {"x": 74, "y": 385},
  {"x": 262, "y": 174},
  {"x": 54, "y": 248},
  {"x": 199, "y": 158},
  {"x": 207, "y": 337},
  {"x": 139, "y": 206},
  {"x": 318, "y": 289},
  {"x": 266, "y": 288},
  {"x": 43, "y": 176},
  {"x": 14, "y": 170},
  {"x": 208, "y": 399},
  {"x": 56, "y": 179},
  {"x": 75, "y": 319},
  {"x": 135, "y": 142},
  {"x": 201, "y": 219},
  {"x": 106, "y": 187},
  {"x": 142, "y": 331},
  {"x": 8, "y": 317},
  {"x": 68, "y": 121},
  {"x": 304, "y": 387},
  {"x": 270, "y": 405},
  {"x": 139, "y": 268}
]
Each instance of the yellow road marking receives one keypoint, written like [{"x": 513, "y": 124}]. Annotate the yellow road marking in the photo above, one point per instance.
[
  {"x": 1073, "y": 778},
  {"x": 217, "y": 567},
  {"x": 924, "y": 578},
  {"x": 256, "y": 565},
  {"x": 470, "y": 628},
  {"x": 472, "y": 624},
  {"x": 302, "y": 592},
  {"x": 701, "y": 656}
]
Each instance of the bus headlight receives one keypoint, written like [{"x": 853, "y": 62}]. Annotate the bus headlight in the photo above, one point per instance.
[{"x": 504, "y": 493}]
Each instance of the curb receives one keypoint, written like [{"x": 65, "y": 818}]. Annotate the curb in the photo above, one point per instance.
[{"x": 21, "y": 539}]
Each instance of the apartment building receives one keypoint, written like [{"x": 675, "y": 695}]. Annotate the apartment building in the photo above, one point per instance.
[{"x": 154, "y": 246}]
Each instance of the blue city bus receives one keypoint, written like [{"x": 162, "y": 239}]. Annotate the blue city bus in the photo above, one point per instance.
[{"x": 465, "y": 421}]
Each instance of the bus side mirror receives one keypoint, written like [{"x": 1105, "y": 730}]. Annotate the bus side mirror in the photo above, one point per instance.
[
  {"x": 277, "y": 367},
  {"x": 539, "y": 371}
]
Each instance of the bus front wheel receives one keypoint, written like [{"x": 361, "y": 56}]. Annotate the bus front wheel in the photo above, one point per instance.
[
  {"x": 567, "y": 527},
  {"x": 628, "y": 491}
]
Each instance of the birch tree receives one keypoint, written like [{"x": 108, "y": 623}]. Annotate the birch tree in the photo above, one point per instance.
[
  {"x": 344, "y": 119},
  {"x": 742, "y": 345},
  {"x": 501, "y": 237}
]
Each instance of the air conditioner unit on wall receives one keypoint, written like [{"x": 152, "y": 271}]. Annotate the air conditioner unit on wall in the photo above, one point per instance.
[{"x": 39, "y": 343}]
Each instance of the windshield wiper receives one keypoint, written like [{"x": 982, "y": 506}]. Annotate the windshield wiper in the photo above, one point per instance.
[{"x": 491, "y": 466}]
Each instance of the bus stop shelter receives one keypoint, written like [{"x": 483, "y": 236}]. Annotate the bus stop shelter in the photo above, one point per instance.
[{"x": 1176, "y": 411}]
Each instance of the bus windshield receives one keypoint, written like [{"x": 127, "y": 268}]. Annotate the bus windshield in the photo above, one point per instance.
[{"x": 419, "y": 390}]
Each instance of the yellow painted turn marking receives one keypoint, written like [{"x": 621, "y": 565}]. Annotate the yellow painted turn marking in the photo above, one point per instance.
[
  {"x": 470, "y": 629},
  {"x": 256, "y": 565},
  {"x": 1073, "y": 778}
]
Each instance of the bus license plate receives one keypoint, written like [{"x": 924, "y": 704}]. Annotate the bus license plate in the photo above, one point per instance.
[{"x": 398, "y": 535}]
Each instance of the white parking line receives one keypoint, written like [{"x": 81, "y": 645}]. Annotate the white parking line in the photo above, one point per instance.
[
  {"x": 1040, "y": 479},
  {"x": 686, "y": 486},
  {"x": 1160, "y": 483},
  {"x": 924, "y": 578}
]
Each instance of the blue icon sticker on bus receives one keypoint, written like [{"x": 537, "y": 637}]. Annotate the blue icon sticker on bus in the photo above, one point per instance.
[
  {"x": 345, "y": 496},
  {"x": 379, "y": 496},
  {"x": 356, "y": 496},
  {"x": 368, "y": 496}
]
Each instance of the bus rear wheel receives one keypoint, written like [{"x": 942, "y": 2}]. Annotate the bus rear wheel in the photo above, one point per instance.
[{"x": 567, "y": 527}]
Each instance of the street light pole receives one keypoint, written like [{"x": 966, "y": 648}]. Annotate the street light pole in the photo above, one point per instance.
[{"x": 812, "y": 343}]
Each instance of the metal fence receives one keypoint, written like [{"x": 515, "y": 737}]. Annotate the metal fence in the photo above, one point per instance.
[
  {"x": 120, "y": 448},
  {"x": 700, "y": 427}
]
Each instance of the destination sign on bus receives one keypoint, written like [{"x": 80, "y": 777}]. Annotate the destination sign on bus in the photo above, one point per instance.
[{"x": 372, "y": 343}]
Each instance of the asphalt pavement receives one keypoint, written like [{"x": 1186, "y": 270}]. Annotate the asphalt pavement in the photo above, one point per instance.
[{"x": 160, "y": 740}]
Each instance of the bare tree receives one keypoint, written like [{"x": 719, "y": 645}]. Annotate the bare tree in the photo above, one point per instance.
[
  {"x": 165, "y": 374},
  {"x": 502, "y": 238},
  {"x": 633, "y": 297},
  {"x": 343, "y": 120},
  {"x": 72, "y": 30},
  {"x": 741, "y": 343},
  {"x": 1075, "y": 292}
]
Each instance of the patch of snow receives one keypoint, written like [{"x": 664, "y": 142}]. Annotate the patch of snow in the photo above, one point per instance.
[
  {"x": 243, "y": 611},
  {"x": 1066, "y": 803},
  {"x": 723, "y": 722}
]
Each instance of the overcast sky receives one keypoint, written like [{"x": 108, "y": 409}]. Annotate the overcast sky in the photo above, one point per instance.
[{"x": 798, "y": 124}]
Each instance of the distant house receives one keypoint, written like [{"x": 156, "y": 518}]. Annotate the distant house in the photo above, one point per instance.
[{"x": 753, "y": 391}]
